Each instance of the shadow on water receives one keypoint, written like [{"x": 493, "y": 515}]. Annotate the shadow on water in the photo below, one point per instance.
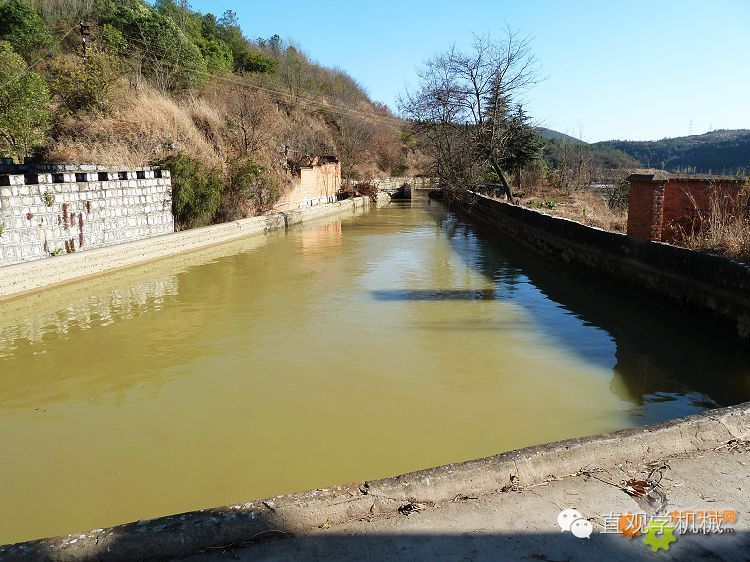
[
  {"x": 657, "y": 356},
  {"x": 435, "y": 295}
]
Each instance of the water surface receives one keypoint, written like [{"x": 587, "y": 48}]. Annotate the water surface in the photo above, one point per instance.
[{"x": 345, "y": 350}]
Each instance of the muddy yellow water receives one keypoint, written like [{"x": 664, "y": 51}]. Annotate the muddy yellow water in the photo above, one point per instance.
[{"x": 351, "y": 349}]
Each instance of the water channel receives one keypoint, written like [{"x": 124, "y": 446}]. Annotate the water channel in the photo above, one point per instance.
[{"x": 349, "y": 349}]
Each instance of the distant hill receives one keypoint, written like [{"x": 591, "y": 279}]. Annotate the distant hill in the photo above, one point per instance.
[
  {"x": 558, "y": 144},
  {"x": 550, "y": 134},
  {"x": 717, "y": 152}
]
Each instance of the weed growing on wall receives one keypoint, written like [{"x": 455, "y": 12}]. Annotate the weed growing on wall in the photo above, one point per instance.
[{"x": 49, "y": 198}]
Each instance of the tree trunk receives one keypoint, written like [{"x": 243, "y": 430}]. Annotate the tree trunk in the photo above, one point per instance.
[{"x": 506, "y": 185}]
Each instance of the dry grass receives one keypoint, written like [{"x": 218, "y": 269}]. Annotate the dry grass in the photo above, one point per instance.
[
  {"x": 583, "y": 206},
  {"x": 144, "y": 127},
  {"x": 725, "y": 228}
]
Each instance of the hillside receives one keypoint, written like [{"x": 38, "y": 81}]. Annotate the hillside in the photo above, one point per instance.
[
  {"x": 551, "y": 134},
  {"x": 718, "y": 152},
  {"x": 560, "y": 149},
  {"x": 161, "y": 83}
]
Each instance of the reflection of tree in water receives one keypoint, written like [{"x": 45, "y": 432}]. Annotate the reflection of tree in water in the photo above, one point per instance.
[{"x": 655, "y": 352}]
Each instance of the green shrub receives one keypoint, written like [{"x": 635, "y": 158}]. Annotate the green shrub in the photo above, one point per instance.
[
  {"x": 546, "y": 203},
  {"x": 245, "y": 60},
  {"x": 217, "y": 54},
  {"x": 85, "y": 84},
  {"x": 24, "y": 106},
  {"x": 251, "y": 190},
  {"x": 24, "y": 29},
  {"x": 170, "y": 59},
  {"x": 196, "y": 191},
  {"x": 112, "y": 41},
  {"x": 249, "y": 61}
]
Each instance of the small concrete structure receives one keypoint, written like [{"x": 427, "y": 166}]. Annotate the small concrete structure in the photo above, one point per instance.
[
  {"x": 400, "y": 186},
  {"x": 51, "y": 209},
  {"x": 663, "y": 205},
  {"x": 319, "y": 181}
]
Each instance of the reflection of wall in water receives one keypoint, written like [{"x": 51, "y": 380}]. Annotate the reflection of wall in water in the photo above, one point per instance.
[
  {"x": 89, "y": 311},
  {"x": 325, "y": 236},
  {"x": 685, "y": 358}
]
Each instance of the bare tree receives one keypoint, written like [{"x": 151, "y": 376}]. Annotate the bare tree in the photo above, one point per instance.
[
  {"x": 250, "y": 118},
  {"x": 464, "y": 107},
  {"x": 352, "y": 142}
]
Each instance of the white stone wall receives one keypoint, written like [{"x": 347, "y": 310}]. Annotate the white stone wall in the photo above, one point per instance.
[{"x": 73, "y": 209}]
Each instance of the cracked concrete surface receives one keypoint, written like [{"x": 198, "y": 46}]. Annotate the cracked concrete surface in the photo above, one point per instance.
[{"x": 522, "y": 524}]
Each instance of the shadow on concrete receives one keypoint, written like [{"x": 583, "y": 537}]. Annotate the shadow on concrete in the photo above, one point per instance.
[{"x": 479, "y": 546}]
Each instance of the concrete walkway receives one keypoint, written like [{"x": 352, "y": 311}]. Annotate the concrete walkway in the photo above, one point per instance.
[{"x": 522, "y": 524}]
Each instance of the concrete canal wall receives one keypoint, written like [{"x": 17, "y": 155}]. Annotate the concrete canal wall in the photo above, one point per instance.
[
  {"x": 31, "y": 276},
  {"x": 308, "y": 512},
  {"x": 700, "y": 284},
  {"x": 394, "y": 184},
  {"x": 49, "y": 209}
]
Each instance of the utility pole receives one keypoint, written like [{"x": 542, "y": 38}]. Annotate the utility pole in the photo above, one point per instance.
[{"x": 85, "y": 28}]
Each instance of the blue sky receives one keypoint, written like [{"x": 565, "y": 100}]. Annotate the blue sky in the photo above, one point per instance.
[{"x": 632, "y": 69}]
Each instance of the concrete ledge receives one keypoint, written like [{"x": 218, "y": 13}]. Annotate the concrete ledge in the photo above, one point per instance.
[
  {"x": 181, "y": 535},
  {"x": 696, "y": 283},
  {"x": 19, "y": 279}
]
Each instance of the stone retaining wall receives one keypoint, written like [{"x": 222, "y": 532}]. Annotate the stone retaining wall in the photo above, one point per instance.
[
  {"x": 47, "y": 210},
  {"x": 701, "y": 285},
  {"x": 27, "y": 277}
]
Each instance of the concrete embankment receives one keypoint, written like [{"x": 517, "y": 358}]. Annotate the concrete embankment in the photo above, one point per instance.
[
  {"x": 703, "y": 286},
  {"x": 498, "y": 507},
  {"x": 26, "y": 277}
]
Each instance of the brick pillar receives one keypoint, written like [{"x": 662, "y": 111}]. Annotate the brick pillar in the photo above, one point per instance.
[
  {"x": 657, "y": 212},
  {"x": 645, "y": 209}
]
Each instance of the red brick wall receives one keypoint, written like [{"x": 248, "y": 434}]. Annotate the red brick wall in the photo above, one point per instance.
[
  {"x": 645, "y": 210},
  {"x": 664, "y": 212},
  {"x": 686, "y": 201}
]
